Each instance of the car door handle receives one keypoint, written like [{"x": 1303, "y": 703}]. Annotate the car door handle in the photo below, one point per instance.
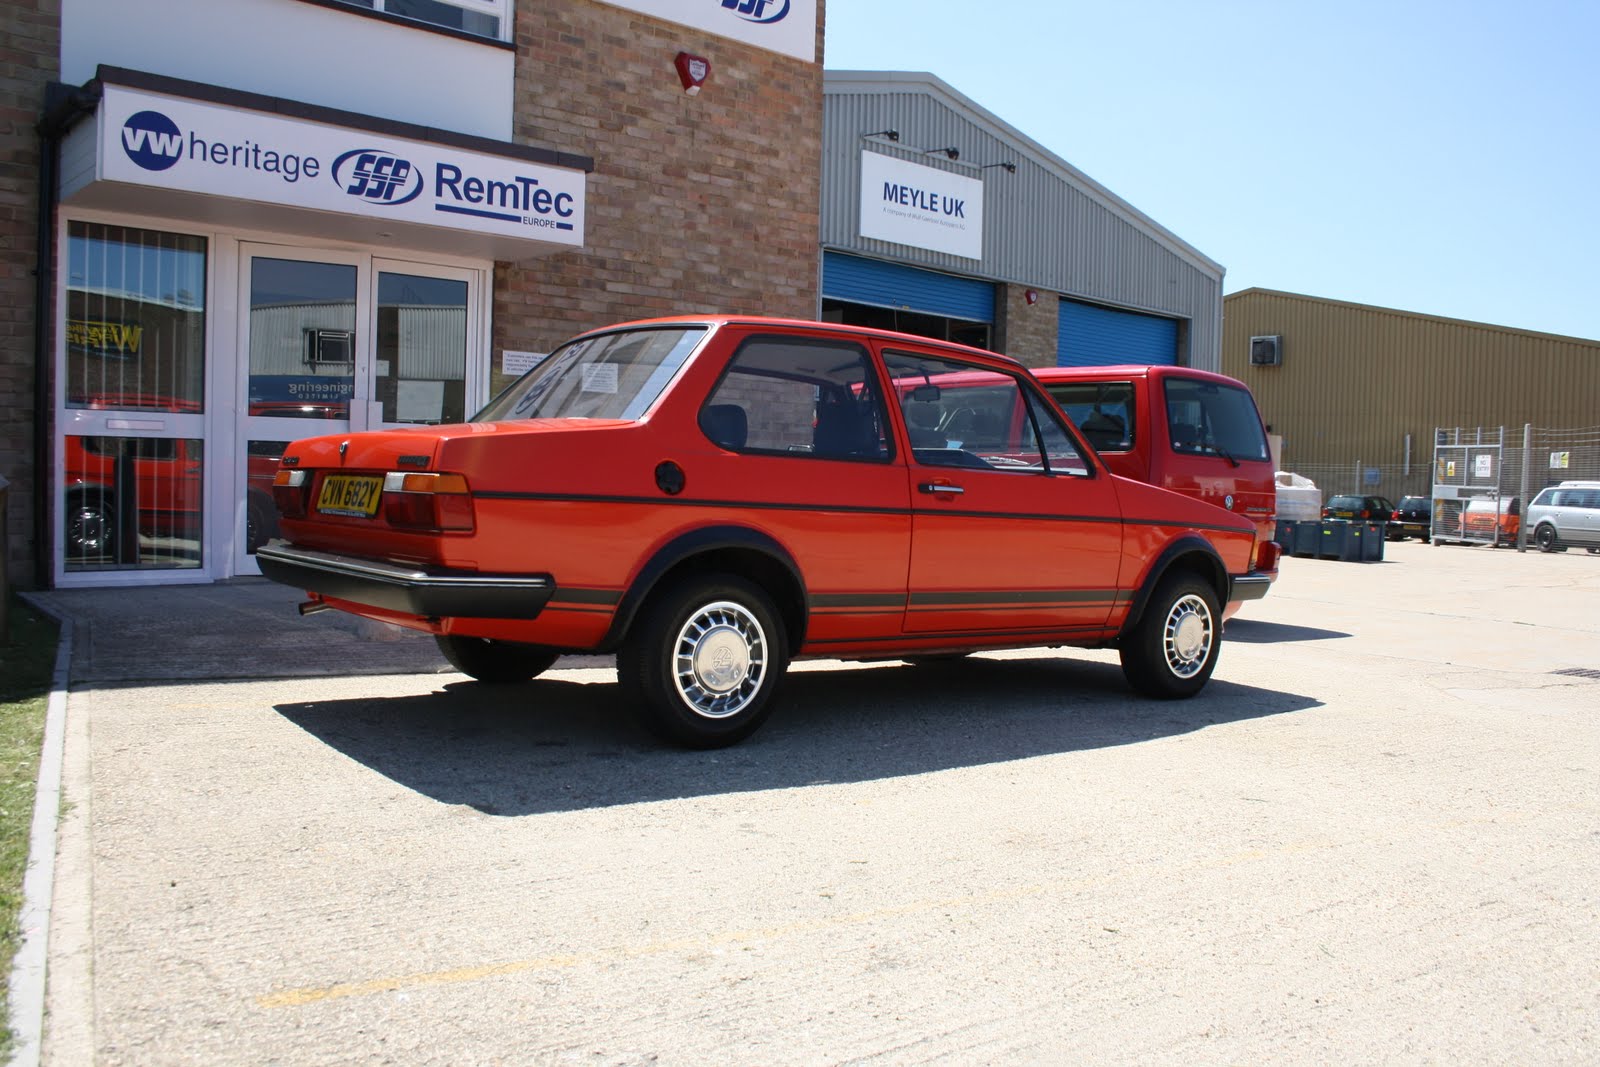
[{"x": 937, "y": 488}]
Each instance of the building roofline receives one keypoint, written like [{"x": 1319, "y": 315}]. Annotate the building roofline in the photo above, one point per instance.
[
  {"x": 1423, "y": 316},
  {"x": 863, "y": 82}
]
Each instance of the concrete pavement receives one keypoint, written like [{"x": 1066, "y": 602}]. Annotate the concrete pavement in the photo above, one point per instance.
[{"x": 1373, "y": 837}]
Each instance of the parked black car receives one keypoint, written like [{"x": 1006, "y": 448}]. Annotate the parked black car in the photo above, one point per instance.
[
  {"x": 1360, "y": 508},
  {"x": 1413, "y": 517}
]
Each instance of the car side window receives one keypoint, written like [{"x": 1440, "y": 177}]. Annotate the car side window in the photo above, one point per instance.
[
  {"x": 799, "y": 397},
  {"x": 963, "y": 415}
]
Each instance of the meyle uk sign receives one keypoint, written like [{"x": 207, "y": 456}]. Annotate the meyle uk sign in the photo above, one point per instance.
[
  {"x": 910, "y": 204},
  {"x": 173, "y": 143},
  {"x": 787, "y": 26}
]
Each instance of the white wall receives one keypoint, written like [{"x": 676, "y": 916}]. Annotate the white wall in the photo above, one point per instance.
[{"x": 297, "y": 51}]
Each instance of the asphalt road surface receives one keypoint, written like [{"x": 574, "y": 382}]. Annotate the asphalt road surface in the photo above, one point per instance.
[{"x": 1375, "y": 837}]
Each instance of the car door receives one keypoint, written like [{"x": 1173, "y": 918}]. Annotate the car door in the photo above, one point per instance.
[{"x": 1013, "y": 529}]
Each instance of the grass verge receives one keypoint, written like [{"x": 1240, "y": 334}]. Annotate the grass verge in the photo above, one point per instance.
[{"x": 27, "y": 662}]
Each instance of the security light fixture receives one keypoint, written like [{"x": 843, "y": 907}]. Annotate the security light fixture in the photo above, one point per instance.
[
  {"x": 1010, "y": 168},
  {"x": 887, "y": 135},
  {"x": 952, "y": 152}
]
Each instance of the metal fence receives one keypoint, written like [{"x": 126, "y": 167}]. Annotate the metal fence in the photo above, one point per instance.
[{"x": 1524, "y": 460}]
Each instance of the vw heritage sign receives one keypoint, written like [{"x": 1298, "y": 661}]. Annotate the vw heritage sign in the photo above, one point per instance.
[
  {"x": 919, "y": 206},
  {"x": 786, "y": 26},
  {"x": 173, "y": 143}
]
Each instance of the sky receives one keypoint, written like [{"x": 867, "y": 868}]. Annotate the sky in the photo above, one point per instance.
[{"x": 1441, "y": 158}]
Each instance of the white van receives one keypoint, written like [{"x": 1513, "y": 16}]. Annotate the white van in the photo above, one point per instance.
[{"x": 1565, "y": 515}]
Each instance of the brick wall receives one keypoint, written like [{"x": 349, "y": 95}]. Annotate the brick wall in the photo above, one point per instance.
[
  {"x": 30, "y": 49},
  {"x": 704, "y": 203},
  {"x": 1028, "y": 331}
]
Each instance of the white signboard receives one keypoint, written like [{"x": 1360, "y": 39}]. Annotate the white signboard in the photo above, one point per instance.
[
  {"x": 910, "y": 204},
  {"x": 174, "y": 143},
  {"x": 787, "y": 26},
  {"x": 1483, "y": 466}
]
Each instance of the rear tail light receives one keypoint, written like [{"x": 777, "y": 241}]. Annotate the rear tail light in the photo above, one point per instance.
[
  {"x": 430, "y": 501},
  {"x": 1267, "y": 555},
  {"x": 289, "y": 493}
]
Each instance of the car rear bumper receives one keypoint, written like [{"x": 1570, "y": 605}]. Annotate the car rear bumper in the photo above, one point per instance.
[
  {"x": 406, "y": 589},
  {"x": 1251, "y": 586}
]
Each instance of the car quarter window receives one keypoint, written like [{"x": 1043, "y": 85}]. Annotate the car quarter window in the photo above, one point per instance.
[
  {"x": 800, "y": 397},
  {"x": 965, "y": 415},
  {"x": 1102, "y": 411}
]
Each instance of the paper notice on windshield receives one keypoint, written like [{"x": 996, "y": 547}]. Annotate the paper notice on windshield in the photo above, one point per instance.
[
  {"x": 519, "y": 363},
  {"x": 600, "y": 377}
]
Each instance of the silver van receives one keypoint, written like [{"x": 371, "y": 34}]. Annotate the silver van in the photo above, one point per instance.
[{"x": 1565, "y": 515}]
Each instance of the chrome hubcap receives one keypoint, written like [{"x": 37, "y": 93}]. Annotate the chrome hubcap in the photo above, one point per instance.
[
  {"x": 719, "y": 660},
  {"x": 1188, "y": 636}
]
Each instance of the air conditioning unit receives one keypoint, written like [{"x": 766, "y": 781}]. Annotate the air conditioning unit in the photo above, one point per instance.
[{"x": 1266, "y": 351}]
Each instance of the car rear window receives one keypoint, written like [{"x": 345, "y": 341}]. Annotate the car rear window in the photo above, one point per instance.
[
  {"x": 1209, "y": 418},
  {"x": 610, "y": 376}
]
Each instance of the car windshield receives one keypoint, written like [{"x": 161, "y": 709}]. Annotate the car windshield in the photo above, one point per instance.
[{"x": 609, "y": 376}]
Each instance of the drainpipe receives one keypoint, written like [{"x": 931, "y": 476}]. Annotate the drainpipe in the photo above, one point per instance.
[{"x": 64, "y": 105}]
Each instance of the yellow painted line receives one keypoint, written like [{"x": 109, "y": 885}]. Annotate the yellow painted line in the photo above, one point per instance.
[{"x": 294, "y": 998}]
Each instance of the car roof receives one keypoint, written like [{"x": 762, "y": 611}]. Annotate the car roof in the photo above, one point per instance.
[
  {"x": 1131, "y": 370},
  {"x": 831, "y": 328}
]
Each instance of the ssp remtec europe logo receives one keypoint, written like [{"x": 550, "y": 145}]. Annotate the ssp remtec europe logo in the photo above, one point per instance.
[
  {"x": 762, "y": 11},
  {"x": 378, "y": 177}
]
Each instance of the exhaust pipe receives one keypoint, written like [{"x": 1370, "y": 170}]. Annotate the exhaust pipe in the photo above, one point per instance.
[{"x": 311, "y": 607}]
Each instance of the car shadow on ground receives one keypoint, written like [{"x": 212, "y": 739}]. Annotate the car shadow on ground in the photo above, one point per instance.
[
  {"x": 1255, "y": 632},
  {"x": 557, "y": 744}
]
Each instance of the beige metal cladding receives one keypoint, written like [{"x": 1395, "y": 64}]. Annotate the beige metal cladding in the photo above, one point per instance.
[{"x": 1355, "y": 380}]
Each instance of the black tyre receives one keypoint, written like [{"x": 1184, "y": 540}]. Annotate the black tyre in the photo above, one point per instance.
[
  {"x": 704, "y": 661},
  {"x": 91, "y": 526},
  {"x": 1545, "y": 538},
  {"x": 1172, "y": 649},
  {"x": 261, "y": 522},
  {"x": 497, "y": 662}
]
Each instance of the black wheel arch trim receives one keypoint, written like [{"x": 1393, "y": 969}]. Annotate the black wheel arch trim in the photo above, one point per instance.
[
  {"x": 702, "y": 542},
  {"x": 1219, "y": 580}
]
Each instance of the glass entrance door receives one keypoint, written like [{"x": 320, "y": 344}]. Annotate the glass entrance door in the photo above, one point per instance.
[
  {"x": 342, "y": 342},
  {"x": 301, "y": 342}
]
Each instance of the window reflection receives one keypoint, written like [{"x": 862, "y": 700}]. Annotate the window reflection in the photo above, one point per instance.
[
  {"x": 132, "y": 502},
  {"x": 422, "y": 348},
  {"x": 135, "y": 322},
  {"x": 302, "y": 338}
]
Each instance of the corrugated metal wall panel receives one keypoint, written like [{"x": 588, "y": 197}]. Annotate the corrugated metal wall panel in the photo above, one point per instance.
[
  {"x": 1091, "y": 336},
  {"x": 894, "y": 285},
  {"x": 1356, "y": 379},
  {"x": 432, "y": 343},
  {"x": 1043, "y": 227}
]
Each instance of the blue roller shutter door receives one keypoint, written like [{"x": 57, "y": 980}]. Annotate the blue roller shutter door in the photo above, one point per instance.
[
  {"x": 891, "y": 285},
  {"x": 1092, "y": 336}
]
